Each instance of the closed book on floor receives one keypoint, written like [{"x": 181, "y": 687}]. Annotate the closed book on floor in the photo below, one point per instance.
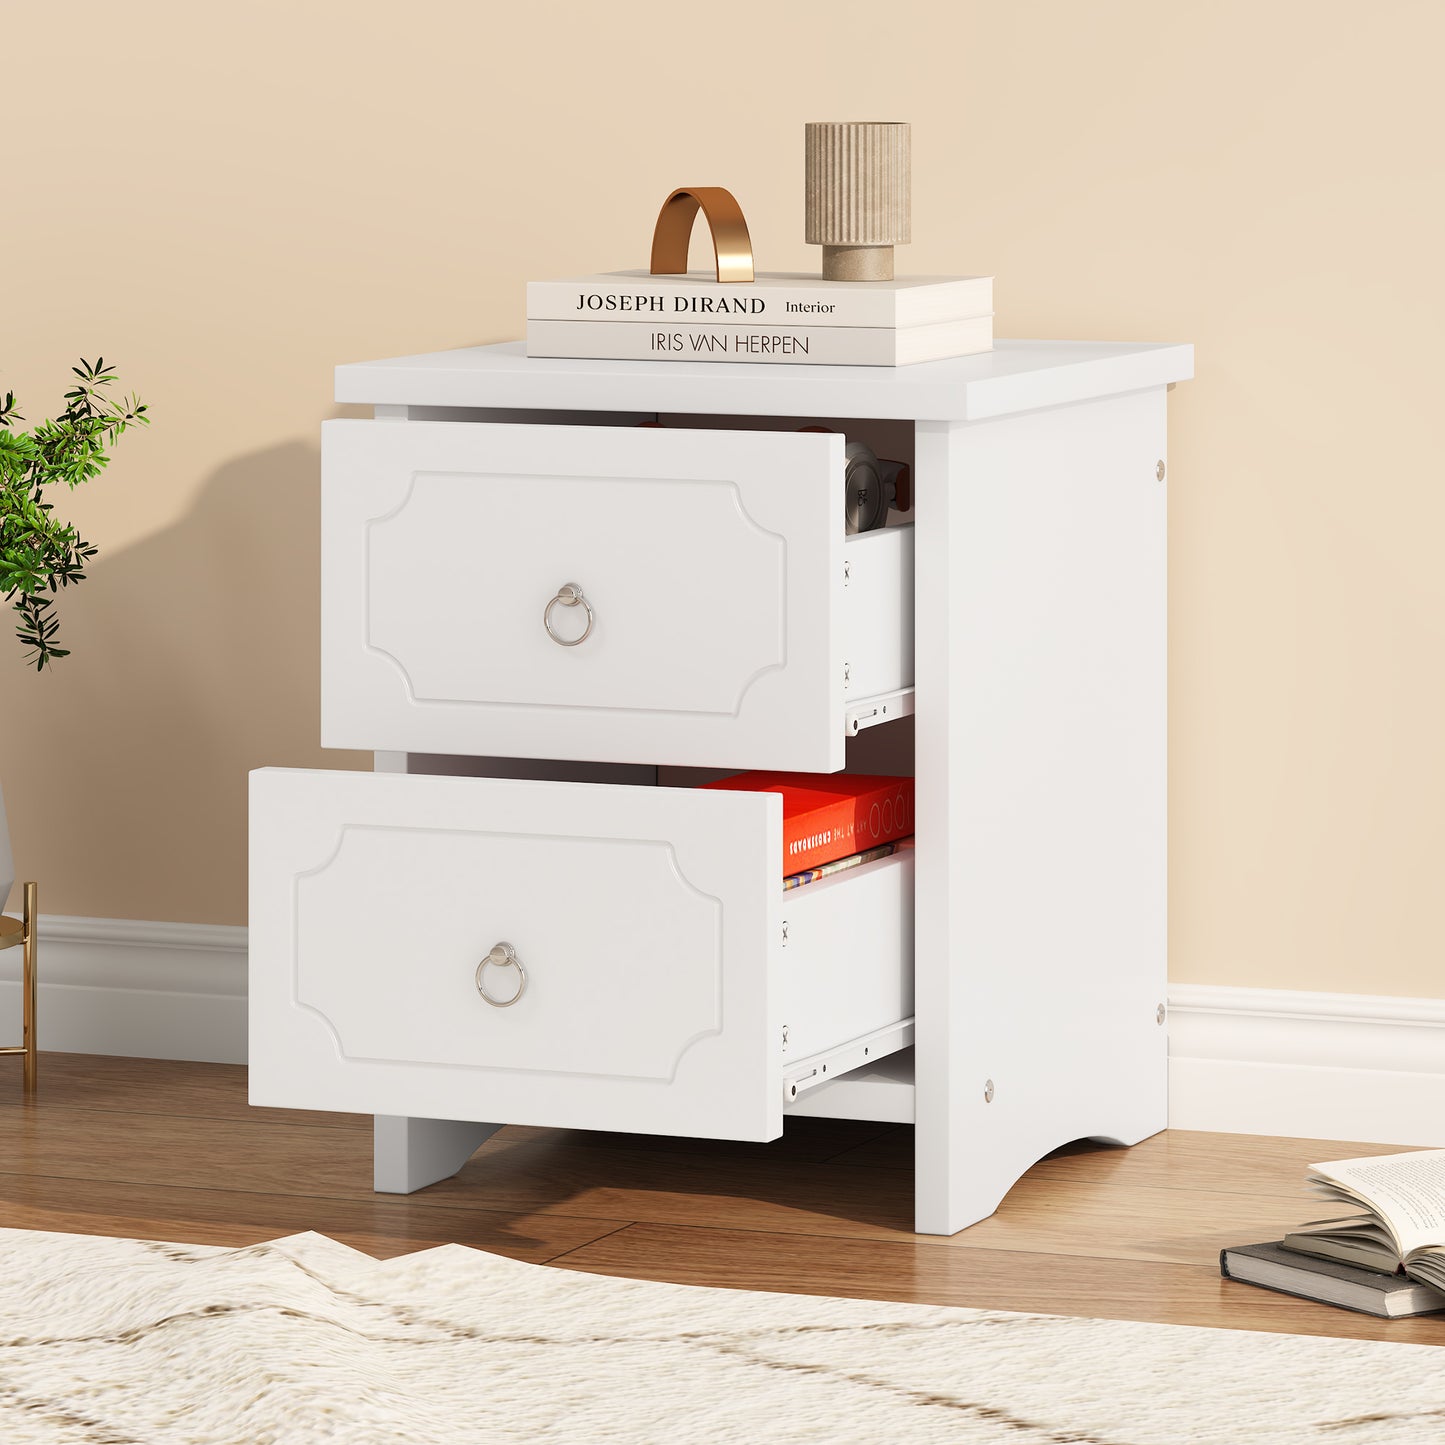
[
  {"x": 832, "y": 815},
  {"x": 1329, "y": 1281}
]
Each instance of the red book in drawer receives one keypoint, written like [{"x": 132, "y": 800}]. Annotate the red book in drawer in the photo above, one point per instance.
[{"x": 830, "y": 815}]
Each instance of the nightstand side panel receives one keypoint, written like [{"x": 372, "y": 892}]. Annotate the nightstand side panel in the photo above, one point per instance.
[{"x": 1040, "y": 967}]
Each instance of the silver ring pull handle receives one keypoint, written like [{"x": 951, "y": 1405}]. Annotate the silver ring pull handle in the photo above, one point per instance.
[
  {"x": 568, "y": 595},
  {"x": 503, "y": 955}
]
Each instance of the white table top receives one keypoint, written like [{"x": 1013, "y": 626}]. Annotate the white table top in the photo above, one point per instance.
[{"x": 1015, "y": 376}]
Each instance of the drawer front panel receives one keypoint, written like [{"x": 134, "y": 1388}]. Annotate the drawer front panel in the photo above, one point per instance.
[
  {"x": 644, "y": 919},
  {"x": 711, "y": 562}
]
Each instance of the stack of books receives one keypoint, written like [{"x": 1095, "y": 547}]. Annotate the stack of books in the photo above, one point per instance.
[
  {"x": 1386, "y": 1258},
  {"x": 833, "y": 821},
  {"x": 797, "y": 319}
]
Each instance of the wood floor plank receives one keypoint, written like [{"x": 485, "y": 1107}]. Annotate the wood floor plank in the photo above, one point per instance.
[
  {"x": 173, "y": 1150},
  {"x": 218, "y": 1091},
  {"x": 1081, "y": 1217},
  {"x": 512, "y": 1173},
  {"x": 769, "y": 1192},
  {"x": 1176, "y": 1159},
  {"x": 551, "y": 1172},
  {"x": 927, "y": 1272},
  {"x": 382, "y": 1226},
  {"x": 1227, "y": 1163},
  {"x": 804, "y": 1138},
  {"x": 160, "y": 1150},
  {"x": 893, "y": 1149},
  {"x": 1121, "y": 1221},
  {"x": 176, "y": 1087},
  {"x": 1110, "y": 1219}
]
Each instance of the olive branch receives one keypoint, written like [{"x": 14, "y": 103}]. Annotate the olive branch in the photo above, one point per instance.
[{"x": 39, "y": 554}]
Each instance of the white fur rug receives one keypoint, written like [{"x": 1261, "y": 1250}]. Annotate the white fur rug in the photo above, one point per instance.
[{"x": 112, "y": 1341}]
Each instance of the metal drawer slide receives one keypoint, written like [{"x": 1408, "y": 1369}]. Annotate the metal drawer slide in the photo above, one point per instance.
[
  {"x": 868, "y": 712},
  {"x": 823, "y": 1068}
]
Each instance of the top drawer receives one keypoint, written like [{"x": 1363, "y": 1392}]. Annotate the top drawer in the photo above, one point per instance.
[{"x": 733, "y": 623}]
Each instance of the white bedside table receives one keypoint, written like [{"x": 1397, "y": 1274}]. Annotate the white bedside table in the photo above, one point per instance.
[{"x": 528, "y": 824}]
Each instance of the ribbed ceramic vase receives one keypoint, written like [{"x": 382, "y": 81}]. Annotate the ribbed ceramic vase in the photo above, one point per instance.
[{"x": 858, "y": 178}]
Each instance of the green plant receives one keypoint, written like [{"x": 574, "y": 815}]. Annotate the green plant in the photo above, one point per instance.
[{"x": 39, "y": 554}]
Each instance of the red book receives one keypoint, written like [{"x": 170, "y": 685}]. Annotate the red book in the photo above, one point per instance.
[{"x": 831, "y": 815}]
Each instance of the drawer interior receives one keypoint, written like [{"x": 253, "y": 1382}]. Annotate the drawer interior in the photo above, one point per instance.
[{"x": 847, "y": 958}]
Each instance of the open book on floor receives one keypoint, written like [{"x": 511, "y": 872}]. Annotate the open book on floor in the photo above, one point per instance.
[
  {"x": 1386, "y": 1258},
  {"x": 1398, "y": 1223}
]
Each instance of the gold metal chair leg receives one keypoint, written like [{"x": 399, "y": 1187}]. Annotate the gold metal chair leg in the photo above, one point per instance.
[
  {"x": 26, "y": 932},
  {"x": 31, "y": 989}
]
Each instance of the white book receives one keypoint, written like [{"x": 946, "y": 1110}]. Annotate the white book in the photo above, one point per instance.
[
  {"x": 795, "y": 345},
  {"x": 772, "y": 297}
]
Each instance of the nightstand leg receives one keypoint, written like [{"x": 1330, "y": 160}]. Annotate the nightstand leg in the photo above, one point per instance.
[{"x": 408, "y": 1154}]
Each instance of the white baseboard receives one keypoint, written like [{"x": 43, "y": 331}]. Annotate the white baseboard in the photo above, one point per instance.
[
  {"x": 1307, "y": 1065},
  {"x": 1241, "y": 1060},
  {"x": 124, "y": 986}
]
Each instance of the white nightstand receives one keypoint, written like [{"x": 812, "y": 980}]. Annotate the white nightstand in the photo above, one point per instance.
[{"x": 1007, "y": 644}]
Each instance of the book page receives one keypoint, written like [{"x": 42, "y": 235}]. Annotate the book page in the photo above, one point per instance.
[
  {"x": 1366, "y": 1227},
  {"x": 1406, "y": 1190},
  {"x": 1430, "y": 1269}
]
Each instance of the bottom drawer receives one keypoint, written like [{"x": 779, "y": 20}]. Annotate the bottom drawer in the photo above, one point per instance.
[{"x": 648, "y": 929}]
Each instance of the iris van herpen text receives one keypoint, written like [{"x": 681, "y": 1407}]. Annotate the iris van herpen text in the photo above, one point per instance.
[{"x": 753, "y": 343}]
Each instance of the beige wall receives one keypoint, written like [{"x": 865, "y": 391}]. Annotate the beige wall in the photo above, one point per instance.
[{"x": 229, "y": 201}]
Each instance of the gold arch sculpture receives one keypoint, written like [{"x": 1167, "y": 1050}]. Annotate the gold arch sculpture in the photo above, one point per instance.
[{"x": 731, "y": 245}]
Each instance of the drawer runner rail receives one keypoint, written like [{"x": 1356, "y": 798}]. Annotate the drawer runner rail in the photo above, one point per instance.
[
  {"x": 823, "y": 1068},
  {"x": 883, "y": 707}
]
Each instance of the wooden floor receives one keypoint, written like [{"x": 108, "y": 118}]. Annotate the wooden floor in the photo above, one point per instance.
[{"x": 164, "y": 1150}]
